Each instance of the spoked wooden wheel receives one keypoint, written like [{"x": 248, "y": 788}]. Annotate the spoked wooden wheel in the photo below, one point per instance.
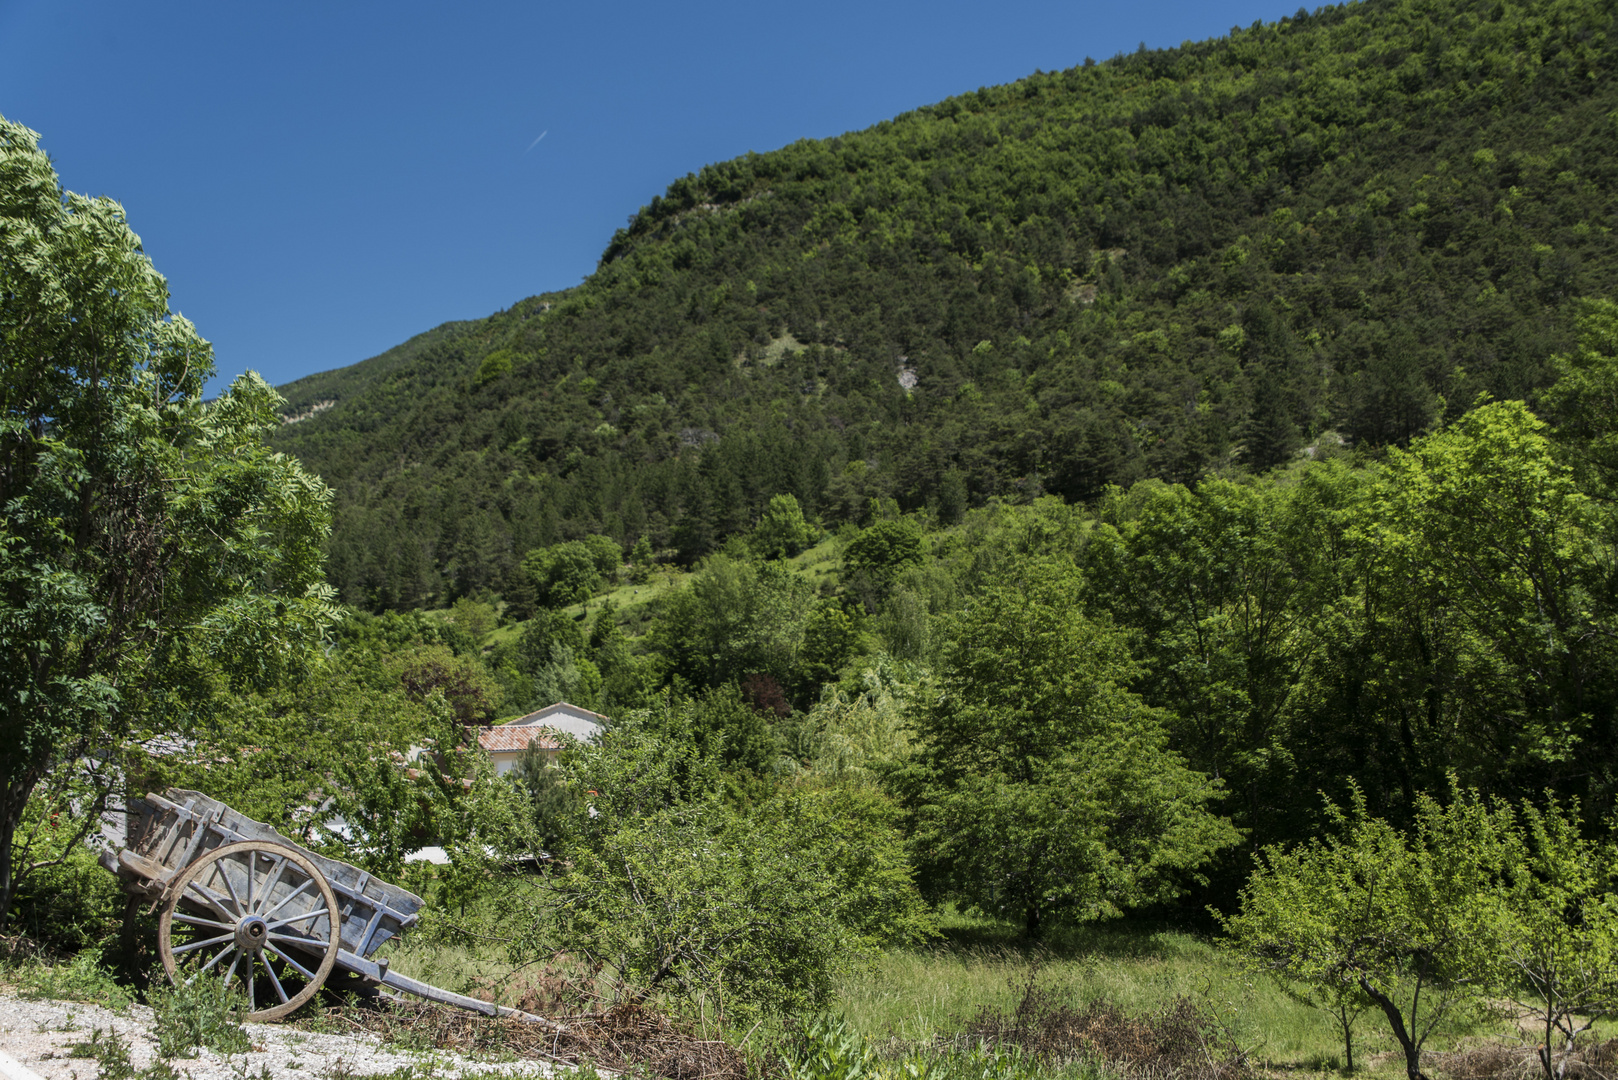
[{"x": 256, "y": 915}]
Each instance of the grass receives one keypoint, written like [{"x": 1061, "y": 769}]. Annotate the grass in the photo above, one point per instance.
[
  {"x": 84, "y": 977},
  {"x": 454, "y": 967},
  {"x": 820, "y": 565},
  {"x": 915, "y": 995},
  {"x": 635, "y": 605},
  {"x": 911, "y": 997}
]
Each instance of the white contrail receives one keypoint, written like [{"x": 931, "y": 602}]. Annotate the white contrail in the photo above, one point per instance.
[{"x": 535, "y": 143}]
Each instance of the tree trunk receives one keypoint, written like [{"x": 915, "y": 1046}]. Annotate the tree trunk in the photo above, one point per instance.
[
  {"x": 1031, "y": 922},
  {"x": 1347, "y": 1021},
  {"x": 1396, "y": 1021},
  {"x": 8, "y": 828},
  {"x": 14, "y": 796},
  {"x": 13, "y": 800}
]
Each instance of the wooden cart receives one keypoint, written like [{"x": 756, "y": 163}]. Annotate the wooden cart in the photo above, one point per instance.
[{"x": 243, "y": 904}]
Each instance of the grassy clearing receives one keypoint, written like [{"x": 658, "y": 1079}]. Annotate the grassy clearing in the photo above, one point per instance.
[
  {"x": 915, "y": 995},
  {"x": 634, "y": 602},
  {"x": 820, "y": 565},
  {"x": 635, "y": 605}
]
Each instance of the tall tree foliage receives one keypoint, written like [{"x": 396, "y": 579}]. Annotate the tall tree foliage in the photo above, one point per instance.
[
  {"x": 1485, "y": 598},
  {"x": 1044, "y": 790},
  {"x": 151, "y": 547}
]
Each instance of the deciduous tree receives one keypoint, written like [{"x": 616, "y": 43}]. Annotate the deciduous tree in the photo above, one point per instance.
[
  {"x": 1416, "y": 923},
  {"x": 1563, "y": 937},
  {"x": 152, "y": 549},
  {"x": 1044, "y": 789}
]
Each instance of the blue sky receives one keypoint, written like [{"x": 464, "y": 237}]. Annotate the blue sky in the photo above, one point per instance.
[{"x": 319, "y": 182}]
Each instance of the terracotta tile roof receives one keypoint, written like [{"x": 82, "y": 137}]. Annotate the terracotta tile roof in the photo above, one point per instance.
[{"x": 508, "y": 738}]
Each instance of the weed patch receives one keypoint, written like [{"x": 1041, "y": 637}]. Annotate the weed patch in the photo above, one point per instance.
[
  {"x": 111, "y": 1055},
  {"x": 83, "y": 978},
  {"x": 199, "y": 1014},
  {"x": 624, "y": 1038}
]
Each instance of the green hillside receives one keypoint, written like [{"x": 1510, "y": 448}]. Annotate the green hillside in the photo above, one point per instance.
[{"x": 1343, "y": 225}]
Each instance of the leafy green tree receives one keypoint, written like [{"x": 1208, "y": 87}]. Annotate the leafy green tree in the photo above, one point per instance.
[
  {"x": 1044, "y": 790},
  {"x": 465, "y": 685},
  {"x": 547, "y": 663},
  {"x": 875, "y": 557},
  {"x": 152, "y": 550},
  {"x": 885, "y": 548},
  {"x": 740, "y": 735},
  {"x": 482, "y": 821},
  {"x": 1563, "y": 937},
  {"x": 606, "y": 553},
  {"x": 952, "y": 497},
  {"x": 494, "y": 366},
  {"x": 1416, "y": 923},
  {"x": 641, "y": 559},
  {"x": 628, "y": 680},
  {"x": 854, "y": 736},
  {"x": 475, "y": 617},
  {"x": 382, "y": 805},
  {"x": 1484, "y": 600},
  {"x": 1232, "y": 591},
  {"x": 734, "y": 619},
  {"x": 66, "y": 901},
  {"x": 366, "y": 641},
  {"x": 274, "y": 755},
  {"x": 554, "y": 804},
  {"x": 564, "y": 573},
  {"x": 645, "y": 763},
  {"x": 782, "y": 532},
  {"x": 832, "y": 636}
]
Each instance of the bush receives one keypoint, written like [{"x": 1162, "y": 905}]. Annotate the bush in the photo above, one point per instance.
[
  {"x": 70, "y": 906},
  {"x": 64, "y": 901}
]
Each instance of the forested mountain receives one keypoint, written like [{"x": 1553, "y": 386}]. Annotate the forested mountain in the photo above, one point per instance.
[{"x": 1344, "y": 225}]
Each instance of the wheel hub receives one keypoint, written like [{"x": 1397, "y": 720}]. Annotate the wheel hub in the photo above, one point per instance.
[{"x": 251, "y": 933}]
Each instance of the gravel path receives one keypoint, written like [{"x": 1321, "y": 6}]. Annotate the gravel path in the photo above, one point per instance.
[{"x": 39, "y": 1035}]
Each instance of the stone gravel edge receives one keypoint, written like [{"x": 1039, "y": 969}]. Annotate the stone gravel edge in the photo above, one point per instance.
[{"x": 39, "y": 1030}]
